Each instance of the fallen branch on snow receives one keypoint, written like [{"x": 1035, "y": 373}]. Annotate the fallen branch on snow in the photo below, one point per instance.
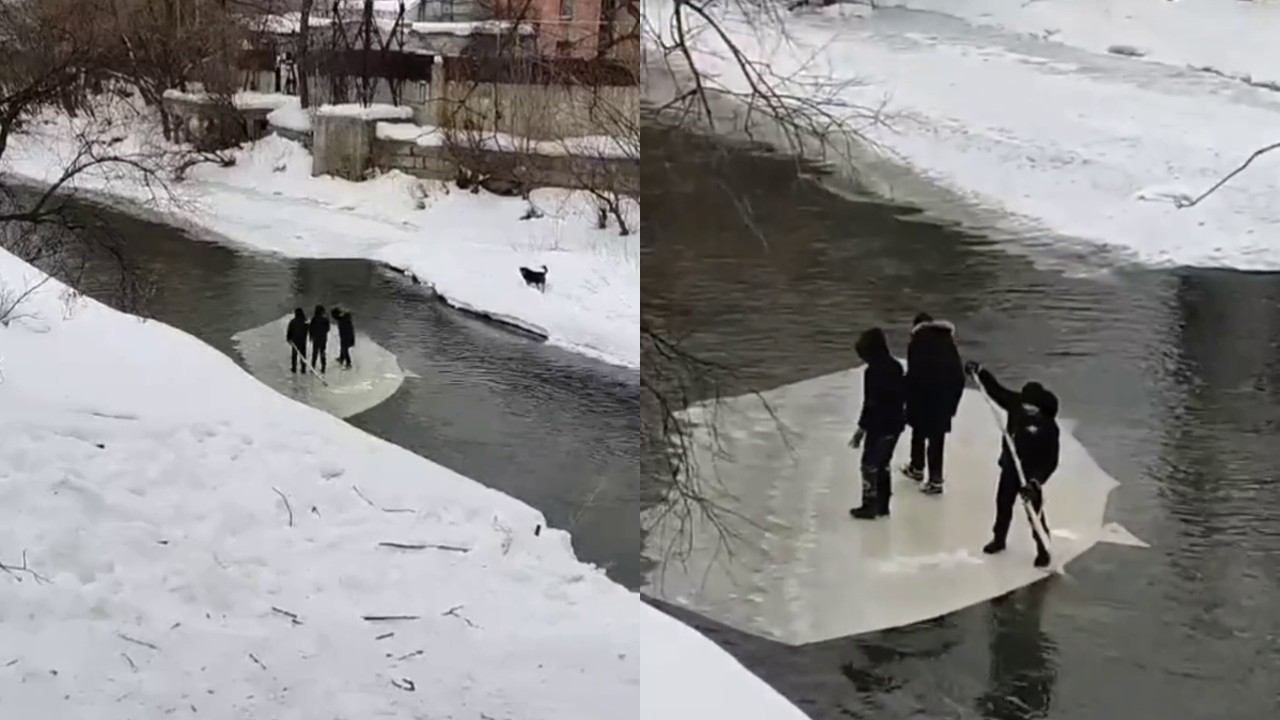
[
  {"x": 372, "y": 504},
  {"x": 1182, "y": 204},
  {"x": 136, "y": 641},
  {"x": 453, "y": 612},
  {"x": 15, "y": 569},
  {"x": 286, "y": 505},
  {"x": 429, "y": 546},
  {"x": 293, "y": 617},
  {"x": 385, "y": 618}
]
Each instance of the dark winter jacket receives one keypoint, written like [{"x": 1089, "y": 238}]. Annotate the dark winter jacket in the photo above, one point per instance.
[
  {"x": 1032, "y": 423},
  {"x": 296, "y": 333},
  {"x": 884, "y": 392},
  {"x": 935, "y": 376},
  {"x": 346, "y": 329},
  {"x": 319, "y": 328}
]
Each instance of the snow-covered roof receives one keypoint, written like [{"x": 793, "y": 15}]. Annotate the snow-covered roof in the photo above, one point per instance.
[{"x": 473, "y": 27}]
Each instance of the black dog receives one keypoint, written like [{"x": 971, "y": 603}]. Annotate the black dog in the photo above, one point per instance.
[{"x": 534, "y": 278}]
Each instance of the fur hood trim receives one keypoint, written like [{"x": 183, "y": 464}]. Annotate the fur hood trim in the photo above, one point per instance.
[{"x": 944, "y": 325}]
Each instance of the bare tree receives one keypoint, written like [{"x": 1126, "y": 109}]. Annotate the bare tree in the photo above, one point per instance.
[{"x": 48, "y": 77}]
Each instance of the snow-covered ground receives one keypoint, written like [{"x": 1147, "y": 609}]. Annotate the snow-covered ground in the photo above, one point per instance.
[
  {"x": 1236, "y": 37},
  {"x": 469, "y": 247},
  {"x": 1067, "y": 143},
  {"x": 194, "y": 544}
]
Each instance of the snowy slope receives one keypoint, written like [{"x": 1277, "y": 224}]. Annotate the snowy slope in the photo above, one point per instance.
[
  {"x": 1231, "y": 36},
  {"x": 469, "y": 247},
  {"x": 1062, "y": 143},
  {"x": 193, "y": 544}
]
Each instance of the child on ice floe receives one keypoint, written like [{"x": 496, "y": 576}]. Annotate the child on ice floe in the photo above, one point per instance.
[
  {"x": 1033, "y": 425},
  {"x": 881, "y": 422}
]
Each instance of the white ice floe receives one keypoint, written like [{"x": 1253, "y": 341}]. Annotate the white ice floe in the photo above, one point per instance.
[
  {"x": 181, "y": 540},
  {"x": 375, "y": 374},
  {"x": 798, "y": 569}
]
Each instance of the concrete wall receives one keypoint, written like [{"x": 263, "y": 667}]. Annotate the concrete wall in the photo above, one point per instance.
[
  {"x": 206, "y": 126},
  {"x": 441, "y": 163},
  {"x": 540, "y": 112},
  {"x": 342, "y": 147}
]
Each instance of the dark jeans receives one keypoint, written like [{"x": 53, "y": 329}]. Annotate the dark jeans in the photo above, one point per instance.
[
  {"x": 294, "y": 358},
  {"x": 877, "y": 454},
  {"x": 344, "y": 356},
  {"x": 318, "y": 357},
  {"x": 928, "y": 447},
  {"x": 1006, "y": 498}
]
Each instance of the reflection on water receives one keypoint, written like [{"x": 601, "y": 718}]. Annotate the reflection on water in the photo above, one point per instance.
[
  {"x": 1021, "y": 669},
  {"x": 1172, "y": 375},
  {"x": 549, "y": 427}
]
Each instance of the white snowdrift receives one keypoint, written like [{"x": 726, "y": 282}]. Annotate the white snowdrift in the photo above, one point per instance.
[
  {"x": 195, "y": 542},
  {"x": 591, "y": 146},
  {"x": 468, "y": 247},
  {"x": 1072, "y": 163},
  {"x": 245, "y": 99},
  {"x": 363, "y": 112}
]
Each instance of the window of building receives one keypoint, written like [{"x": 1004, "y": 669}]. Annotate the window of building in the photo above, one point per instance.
[{"x": 566, "y": 9}]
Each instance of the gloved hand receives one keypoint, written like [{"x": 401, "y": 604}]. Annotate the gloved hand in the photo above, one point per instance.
[
  {"x": 971, "y": 367},
  {"x": 1030, "y": 491},
  {"x": 856, "y": 441}
]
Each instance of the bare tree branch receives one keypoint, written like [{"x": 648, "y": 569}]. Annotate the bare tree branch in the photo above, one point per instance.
[{"x": 1186, "y": 203}]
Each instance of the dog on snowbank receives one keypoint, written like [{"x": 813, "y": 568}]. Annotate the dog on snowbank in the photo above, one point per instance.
[{"x": 535, "y": 278}]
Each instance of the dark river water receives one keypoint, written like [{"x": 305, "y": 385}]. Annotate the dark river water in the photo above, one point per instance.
[
  {"x": 1174, "y": 376},
  {"x": 552, "y": 428}
]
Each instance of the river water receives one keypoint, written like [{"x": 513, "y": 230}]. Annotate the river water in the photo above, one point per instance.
[
  {"x": 1173, "y": 375},
  {"x": 552, "y": 428}
]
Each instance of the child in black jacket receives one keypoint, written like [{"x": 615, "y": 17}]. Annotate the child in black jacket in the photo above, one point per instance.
[
  {"x": 883, "y": 417},
  {"x": 1033, "y": 425}
]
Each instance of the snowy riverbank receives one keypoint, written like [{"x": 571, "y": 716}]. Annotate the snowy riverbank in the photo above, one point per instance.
[
  {"x": 1234, "y": 37},
  {"x": 1061, "y": 144},
  {"x": 468, "y": 247},
  {"x": 194, "y": 541}
]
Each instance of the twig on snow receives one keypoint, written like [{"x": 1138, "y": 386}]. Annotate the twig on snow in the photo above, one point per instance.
[
  {"x": 130, "y": 660},
  {"x": 11, "y": 663},
  {"x": 384, "y": 618},
  {"x": 293, "y": 617},
  {"x": 1181, "y": 203},
  {"x": 426, "y": 546},
  {"x": 453, "y": 611},
  {"x": 404, "y": 684},
  {"x": 375, "y": 506},
  {"x": 415, "y": 653},
  {"x": 286, "y": 505},
  {"x": 136, "y": 641},
  {"x": 384, "y": 636},
  {"x": 256, "y": 660},
  {"x": 15, "y": 569}
]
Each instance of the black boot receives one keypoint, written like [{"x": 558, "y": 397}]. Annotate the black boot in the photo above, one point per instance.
[
  {"x": 884, "y": 491},
  {"x": 993, "y": 547},
  {"x": 865, "y": 511},
  {"x": 1042, "y": 558},
  {"x": 869, "y": 509}
]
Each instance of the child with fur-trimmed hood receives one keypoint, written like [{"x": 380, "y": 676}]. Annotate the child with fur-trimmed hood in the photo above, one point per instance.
[{"x": 935, "y": 384}]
